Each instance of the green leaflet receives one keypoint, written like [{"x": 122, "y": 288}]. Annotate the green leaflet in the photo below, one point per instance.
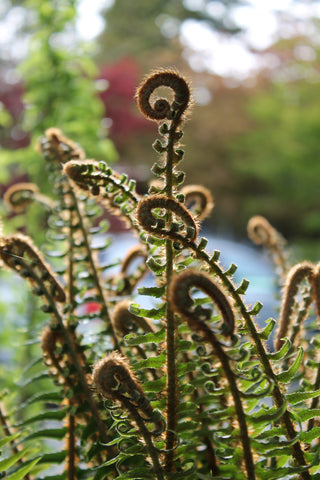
[
  {"x": 297, "y": 397},
  {"x": 155, "y": 385},
  {"x": 280, "y": 473},
  {"x": 287, "y": 375},
  {"x": 156, "y": 292},
  {"x": 13, "y": 459},
  {"x": 256, "y": 308},
  {"x": 151, "y": 362},
  {"x": 49, "y": 415},
  {"x": 311, "y": 435},
  {"x": 132, "y": 339},
  {"x": 137, "y": 474},
  {"x": 53, "y": 396},
  {"x": 155, "y": 313},
  {"x": 186, "y": 367},
  {"x": 23, "y": 471},
  {"x": 282, "y": 352},
  {"x": 9, "y": 439},
  {"x": 57, "y": 433},
  {"x": 272, "y": 415},
  {"x": 305, "y": 415}
]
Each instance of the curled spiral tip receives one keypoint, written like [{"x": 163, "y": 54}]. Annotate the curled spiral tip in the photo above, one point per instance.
[
  {"x": 55, "y": 146},
  {"x": 161, "y": 108},
  {"x": 20, "y": 195},
  {"x": 76, "y": 171},
  {"x": 180, "y": 298},
  {"x": 202, "y": 199},
  {"x": 49, "y": 340},
  {"x": 19, "y": 253},
  {"x": 300, "y": 272},
  {"x": 132, "y": 254},
  {"x": 157, "y": 225},
  {"x": 261, "y": 232},
  {"x": 112, "y": 376},
  {"x": 125, "y": 322}
]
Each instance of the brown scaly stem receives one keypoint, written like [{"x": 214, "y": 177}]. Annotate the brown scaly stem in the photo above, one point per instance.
[
  {"x": 245, "y": 440},
  {"x": 171, "y": 328},
  {"x": 71, "y": 448},
  {"x": 70, "y": 270},
  {"x": 146, "y": 434},
  {"x": 104, "y": 310}
]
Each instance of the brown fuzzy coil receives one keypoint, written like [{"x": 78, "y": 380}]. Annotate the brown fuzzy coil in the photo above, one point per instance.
[
  {"x": 202, "y": 198},
  {"x": 125, "y": 322},
  {"x": 179, "y": 297},
  {"x": 81, "y": 173},
  {"x": 19, "y": 253},
  {"x": 156, "y": 226},
  {"x": 20, "y": 195},
  {"x": 113, "y": 377},
  {"x": 298, "y": 273},
  {"x": 261, "y": 232},
  {"x": 55, "y": 146},
  {"x": 161, "y": 108},
  {"x": 132, "y": 254}
]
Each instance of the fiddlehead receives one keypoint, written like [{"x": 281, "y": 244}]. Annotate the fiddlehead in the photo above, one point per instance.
[
  {"x": 200, "y": 199},
  {"x": 18, "y": 253},
  {"x": 114, "y": 380},
  {"x": 20, "y": 195},
  {"x": 300, "y": 272},
  {"x": 182, "y": 303},
  {"x": 125, "y": 322},
  {"x": 115, "y": 192},
  {"x": 126, "y": 279},
  {"x": 57, "y": 148},
  {"x": 161, "y": 109},
  {"x": 262, "y": 233},
  {"x": 184, "y": 227}
]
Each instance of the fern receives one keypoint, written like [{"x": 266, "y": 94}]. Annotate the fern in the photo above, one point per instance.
[{"x": 186, "y": 388}]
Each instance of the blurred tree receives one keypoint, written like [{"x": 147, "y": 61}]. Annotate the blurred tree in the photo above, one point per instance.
[
  {"x": 59, "y": 88},
  {"x": 280, "y": 153},
  {"x": 144, "y": 29}
]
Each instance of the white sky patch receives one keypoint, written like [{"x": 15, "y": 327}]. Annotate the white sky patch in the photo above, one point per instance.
[
  {"x": 89, "y": 22},
  {"x": 260, "y": 25},
  {"x": 216, "y": 53}
]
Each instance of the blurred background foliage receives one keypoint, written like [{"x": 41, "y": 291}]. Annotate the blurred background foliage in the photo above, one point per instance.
[{"x": 253, "y": 139}]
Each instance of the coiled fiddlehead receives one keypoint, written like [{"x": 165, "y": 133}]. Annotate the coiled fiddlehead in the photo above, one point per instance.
[
  {"x": 161, "y": 108},
  {"x": 180, "y": 299},
  {"x": 20, "y": 195},
  {"x": 128, "y": 280},
  {"x": 261, "y": 232},
  {"x": 125, "y": 322},
  {"x": 157, "y": 225},
  {"x": 202, "y": 199},
  {"x": 19, "y": 253},
  {"x": 112, "y": 190},
  {"x": 300, "y": 272},
  {"x": 114, "y": 380},
  {"x": 57, "y": 148}
]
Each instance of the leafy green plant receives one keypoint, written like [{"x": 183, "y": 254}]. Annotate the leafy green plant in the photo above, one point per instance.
[{"x": 186, "y": 388}]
